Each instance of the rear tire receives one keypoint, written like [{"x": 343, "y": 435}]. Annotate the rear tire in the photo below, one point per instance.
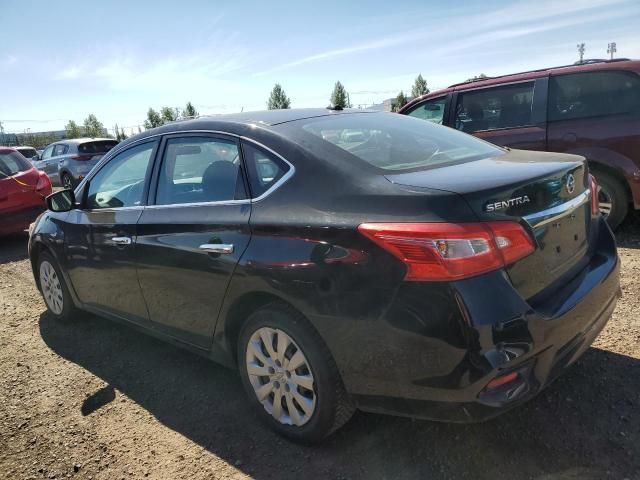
[
  {"x": 614, "y": 203},
  {"x": 313, "y": 381},
  {"x": 54, "y": 289}
]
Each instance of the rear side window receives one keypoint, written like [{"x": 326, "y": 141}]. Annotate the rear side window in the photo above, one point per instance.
[
  {"x": 99, "y": 147},
  {"x": 592, "y": 94},
  {"x": 397, "y": 142},
  {"x": 432, "y": 110},
  {"x": 200, "y": 169},
  {"x": 28, "y": 152},
  {"x": 265, "y": 169},
  {"x": 492, "y": 108},
  {"x": 12, "y": 163}
]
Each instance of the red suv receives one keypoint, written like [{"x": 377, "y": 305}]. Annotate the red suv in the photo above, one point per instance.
[{"x": 591, "y": 109}]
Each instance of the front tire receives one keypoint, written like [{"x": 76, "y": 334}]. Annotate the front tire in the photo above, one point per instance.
[
  {"x": 290, "y": 376},
  {"x": 54, "y": 289},
  {"x": 67, "y": 181}
]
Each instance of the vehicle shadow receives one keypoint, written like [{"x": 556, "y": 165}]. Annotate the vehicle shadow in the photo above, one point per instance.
[
  {"x": 628, "y": 233},
  {"x": 13, "y": 248},
  {"x": 586, "y": 425}
]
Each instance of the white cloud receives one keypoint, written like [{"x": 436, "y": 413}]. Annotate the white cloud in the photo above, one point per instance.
[{"x": 519, "y": 19}]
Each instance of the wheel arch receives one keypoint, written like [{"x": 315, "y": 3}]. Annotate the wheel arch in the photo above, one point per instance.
[
  {"x": 596, "y": 166},
  {"x": 238, "y": 312}
]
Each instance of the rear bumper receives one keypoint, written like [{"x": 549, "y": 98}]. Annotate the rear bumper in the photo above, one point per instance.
[
  {"x": 16, "y": 222},
  {"x": 440, "y": 349}
]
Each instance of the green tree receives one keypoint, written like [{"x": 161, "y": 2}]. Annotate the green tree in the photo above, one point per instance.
[
  {"x": 278, "y": 99},
  {"x": 482, "y": 76},
  {"x": 153, "y": 119},
  {"x": 339, "y": 97},
  {"x": 116, "y": 132},
  {"x": 169, "y": 114},
  {"x": 123, "y": 136},
  {"x": 92, "y": 127},
  {"x": 72, "y": 130},
  {"x": 419, "y": 87},
  {"x": 399, "y": 102},
  {"x": 189, "y": 111},
  {"x": 139, "y": 129}
]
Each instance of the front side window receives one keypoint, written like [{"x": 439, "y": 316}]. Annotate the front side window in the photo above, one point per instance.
[
  {"x": 507, "y": 106},
  {"x": 120, "y": 183},
  {"x": 47, "y": 152},
  {"x": 200, "y": 169},
  {"x": 432, "y": 110},
  {"x": 395, "y": 142},
  {"x": 593, "y": 94},
  {"x": 12, "y": 163},
  {"x": 60, "y": 149},
  {"x": 265, "y": 169}
]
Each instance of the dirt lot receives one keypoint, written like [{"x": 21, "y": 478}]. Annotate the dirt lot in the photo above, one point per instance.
[{"x": 94, "y": 399}]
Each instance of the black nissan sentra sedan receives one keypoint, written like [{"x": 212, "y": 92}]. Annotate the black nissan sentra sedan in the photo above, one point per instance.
[{"x": 340, "y": 260}]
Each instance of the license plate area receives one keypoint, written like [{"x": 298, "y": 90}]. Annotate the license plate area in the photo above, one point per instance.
[{"x": 563, "y": 240}]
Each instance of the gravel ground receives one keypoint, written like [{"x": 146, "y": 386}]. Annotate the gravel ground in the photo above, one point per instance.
[{"x": 94, "y": 399}]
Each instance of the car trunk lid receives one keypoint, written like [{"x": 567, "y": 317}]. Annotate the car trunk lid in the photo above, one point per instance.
[{"x": 548, "y": 193}]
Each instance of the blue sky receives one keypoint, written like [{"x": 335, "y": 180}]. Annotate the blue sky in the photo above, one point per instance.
[{"x": 65, "y": 59}]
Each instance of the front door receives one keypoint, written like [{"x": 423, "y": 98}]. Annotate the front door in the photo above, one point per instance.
[
  {"x": 47, "y": 165},
  {"x": 190, "y": 240},
  {"x": 101, "y": 235}
]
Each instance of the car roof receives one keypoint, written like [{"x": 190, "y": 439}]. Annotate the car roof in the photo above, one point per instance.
[
  {"x": 82, "y": 140},
  {"x": 586, "y": 66},
  {"x": 7, "y": 149},
  {"x": 276, "y": 117}
]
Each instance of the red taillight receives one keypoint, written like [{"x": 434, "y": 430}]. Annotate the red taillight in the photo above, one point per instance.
[
  {"x": 502, "y": 380},
  {"x": 595, "y": 202},
  {"x": 82, "y": 157},
  {"x": 43, "y": 182},
  {"x": 451, "y": 251}
]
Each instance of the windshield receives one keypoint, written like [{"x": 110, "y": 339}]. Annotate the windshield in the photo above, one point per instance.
[
  {"x": 397, "y": 142},
  {"x": 12, "y": 163}
]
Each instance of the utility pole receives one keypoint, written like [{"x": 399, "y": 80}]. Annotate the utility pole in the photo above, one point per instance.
[
  {"x": 581, "y": 52},
  {"x": 611, "y": 49}
]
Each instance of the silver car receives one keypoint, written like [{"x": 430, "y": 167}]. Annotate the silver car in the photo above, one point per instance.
[{"x": 69, "y": 161}]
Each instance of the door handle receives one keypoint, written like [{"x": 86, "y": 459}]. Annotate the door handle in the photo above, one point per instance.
[
  {"x": 217, "y": 247},
  {"x": 122, "y": 240}
]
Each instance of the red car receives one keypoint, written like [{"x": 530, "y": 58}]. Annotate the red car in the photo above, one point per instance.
[
  {"x": 591, "y": 109},
  {"x": 23, "y": 189}
]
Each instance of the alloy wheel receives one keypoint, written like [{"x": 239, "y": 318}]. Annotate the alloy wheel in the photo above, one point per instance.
[
  {"x": 281, "y": 376},
  {"x": 605, "y": 200},
  {"x": 51, "y": 288}
]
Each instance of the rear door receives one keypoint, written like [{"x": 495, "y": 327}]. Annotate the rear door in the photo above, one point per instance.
[
  {"x": 100, "y": 237},
  {"x": 594, "y": 114},
  {"x": 512, "y": 115},
  {"x": 190, "y": 240}
]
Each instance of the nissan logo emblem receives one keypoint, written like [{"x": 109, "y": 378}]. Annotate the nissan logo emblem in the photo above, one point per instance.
[{"x": 571, "y": 184}]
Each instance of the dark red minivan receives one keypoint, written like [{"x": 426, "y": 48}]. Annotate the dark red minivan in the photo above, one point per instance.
[{"x": 591, "y": 109}]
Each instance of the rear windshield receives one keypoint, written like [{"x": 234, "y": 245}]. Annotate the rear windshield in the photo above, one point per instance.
[
  {"x": 397, "y": 142},
  {"x": 12, "y": 163},
  {"x": 28, "y": 152},
  {"x": 102, "y": 146}
]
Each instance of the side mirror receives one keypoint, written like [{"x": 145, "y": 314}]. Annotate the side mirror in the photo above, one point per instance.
[{"x": 62, "y": 201}]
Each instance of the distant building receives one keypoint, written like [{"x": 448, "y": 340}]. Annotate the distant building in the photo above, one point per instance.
[{"x": 8, "y": 139}]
